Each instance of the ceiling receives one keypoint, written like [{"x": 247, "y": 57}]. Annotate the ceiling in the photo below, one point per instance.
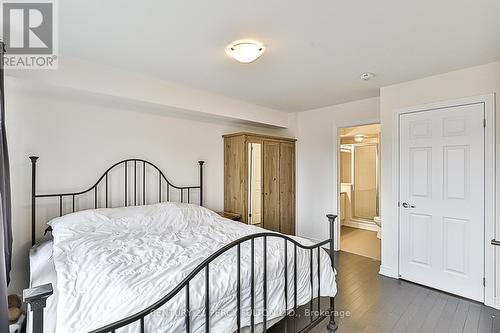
[{"x": 315, "y": 50}]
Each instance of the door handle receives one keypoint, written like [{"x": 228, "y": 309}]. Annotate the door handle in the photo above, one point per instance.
[
  {"x": 495, "y": 242},
  {"x": 407, "y": 205}
]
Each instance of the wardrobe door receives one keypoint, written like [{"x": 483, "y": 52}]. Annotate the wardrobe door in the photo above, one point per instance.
[
  {"x": 235, "y": 176},
  {"x": 287, "y": 188},
  {"x": 271, "y": 160}
]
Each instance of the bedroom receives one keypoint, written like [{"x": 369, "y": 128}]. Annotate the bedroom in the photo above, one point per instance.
[{"x": 161, "y": 82}]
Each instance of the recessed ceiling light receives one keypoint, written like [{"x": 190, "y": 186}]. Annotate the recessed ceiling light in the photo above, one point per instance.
[
  {"x": 359, "y": 138},
  {"x": 245, "y": 51},
  {"x": 367, "y": 76}
]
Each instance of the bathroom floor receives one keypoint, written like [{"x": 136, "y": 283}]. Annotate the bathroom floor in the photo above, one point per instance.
[{"x": 361, "y": 242}]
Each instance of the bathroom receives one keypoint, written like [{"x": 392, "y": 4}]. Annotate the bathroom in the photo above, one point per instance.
[{"x": 359, "y": 193}]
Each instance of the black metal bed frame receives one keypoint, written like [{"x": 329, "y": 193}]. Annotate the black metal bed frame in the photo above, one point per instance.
[
  {"x": 36, "y": 296},
  {"x": 104, "y": 178}
]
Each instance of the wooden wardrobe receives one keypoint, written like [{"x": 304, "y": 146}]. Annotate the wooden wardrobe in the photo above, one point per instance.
[{"x": 259, "y": 180}]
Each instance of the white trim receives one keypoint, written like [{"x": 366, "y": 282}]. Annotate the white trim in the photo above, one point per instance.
[
  {"x": 336, "y": 165},
  {"x": 490, "y": 199},
  {"x": 490, "y": 184},
  {"x": 388, "y": 271},
  {"x": 365, "y": 225}
]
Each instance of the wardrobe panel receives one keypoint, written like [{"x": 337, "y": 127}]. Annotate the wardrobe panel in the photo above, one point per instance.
[
  {"x": 235, "y": 176},
  {"x": 271, "y": 201},
  {"x": 287, "y": 188}
]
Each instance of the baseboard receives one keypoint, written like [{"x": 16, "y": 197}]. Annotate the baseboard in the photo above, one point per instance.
[
  {"x": 496, "y": 303},
  {"x": 388, "y": 271},
  {"x": 360, "y": 225}
]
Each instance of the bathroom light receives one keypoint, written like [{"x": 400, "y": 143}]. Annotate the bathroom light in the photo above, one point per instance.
[
  {"x": 359, "y": 138},
  {"x": 245, "y": 51}
]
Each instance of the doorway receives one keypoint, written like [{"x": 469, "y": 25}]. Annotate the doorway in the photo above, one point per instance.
[{"x": 359, "y": 179}]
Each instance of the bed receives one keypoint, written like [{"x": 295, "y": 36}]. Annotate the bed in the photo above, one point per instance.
[{"x": 168, "y": 266}]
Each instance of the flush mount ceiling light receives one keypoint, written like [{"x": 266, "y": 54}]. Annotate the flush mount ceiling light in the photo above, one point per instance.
[
  {"x": 367, "y": 76},
  {"x": 245, "y": 51},
  {"x": 359, "y": 138}
]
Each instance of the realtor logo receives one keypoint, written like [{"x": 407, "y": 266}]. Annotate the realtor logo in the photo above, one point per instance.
[{"x": 29, "y": 34}]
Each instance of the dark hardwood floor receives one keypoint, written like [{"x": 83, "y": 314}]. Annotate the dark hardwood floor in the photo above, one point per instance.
[{"x": 368, "y": 302}]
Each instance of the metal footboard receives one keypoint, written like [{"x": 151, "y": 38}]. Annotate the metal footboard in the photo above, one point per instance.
[{"x": 37, "y": 296}]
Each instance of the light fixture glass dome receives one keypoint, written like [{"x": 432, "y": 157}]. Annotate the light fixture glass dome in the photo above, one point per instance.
[
  {"x": 245, "y": 51},
  {"x": 359, "y": 138}
]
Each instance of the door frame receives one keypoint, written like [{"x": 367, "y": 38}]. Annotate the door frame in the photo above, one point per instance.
[
  {"x": 488, "y": 101},
  {"x": 336, "y": 140}
]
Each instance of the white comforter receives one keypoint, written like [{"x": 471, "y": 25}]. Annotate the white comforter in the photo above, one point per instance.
[{"x": 112, "y": 263}]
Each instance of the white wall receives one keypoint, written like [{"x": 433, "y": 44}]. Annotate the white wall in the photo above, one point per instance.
[
  {"x": 317, "y": 186},
  {"x": 91, "y": 78},
  {"x": 463, "y": 83},
  {"x": 78, "y": 137}
]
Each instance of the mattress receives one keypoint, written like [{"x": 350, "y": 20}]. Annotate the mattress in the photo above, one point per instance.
[
  {"x": 42, "y": 271},
  {"x": 111, "y": 263}
]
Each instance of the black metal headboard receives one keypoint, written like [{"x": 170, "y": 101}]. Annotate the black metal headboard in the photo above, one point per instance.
[{"x": 185, "y": 191}]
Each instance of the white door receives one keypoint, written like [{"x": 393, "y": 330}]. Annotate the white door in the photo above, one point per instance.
[{"x": 442, "y": 199}]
